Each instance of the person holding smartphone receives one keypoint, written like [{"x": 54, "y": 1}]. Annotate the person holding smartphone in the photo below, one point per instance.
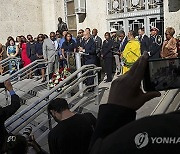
[{"x": 8, "y": 111}]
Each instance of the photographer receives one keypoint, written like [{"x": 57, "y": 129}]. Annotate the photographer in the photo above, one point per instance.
[
  {"x": 117, "y": 131},
  {"x": 7, "y": 111},
  {"x": 21, "y": 144}
]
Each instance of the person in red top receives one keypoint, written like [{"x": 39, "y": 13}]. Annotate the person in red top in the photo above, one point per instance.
[{"x": 26, "y": 61}]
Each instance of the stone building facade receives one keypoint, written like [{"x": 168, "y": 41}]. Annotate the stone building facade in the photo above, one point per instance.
[
  {"x": 172, "y": 14},
  {"x": 29, "y": 17},
  {"x": 40, "y": 16}
]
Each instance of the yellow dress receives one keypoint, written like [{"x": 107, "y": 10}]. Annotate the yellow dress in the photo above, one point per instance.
[{"x": 130, "y": 55}]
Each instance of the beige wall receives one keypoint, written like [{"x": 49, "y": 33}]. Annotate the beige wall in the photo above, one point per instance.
[
  {"x": 96, "y": 17},
  {"x": 172, "y": 18},
  {"x": 51, "y": 10},
  {"x": 20, "y": 18}
]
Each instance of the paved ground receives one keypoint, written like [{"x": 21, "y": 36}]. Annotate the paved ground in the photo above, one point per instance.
[{"x": 142, "y": 112}]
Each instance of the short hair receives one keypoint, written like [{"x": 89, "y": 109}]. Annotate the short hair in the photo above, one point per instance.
[
  {"x": 29, "y": 35},
  {"x": 170, "y": 30},
  {"x": 120, "y": 32},
  {"x": 133, "y": 33},
  {"x": 142, "y": 29},
  {"x": 52, "y": 33},
  {"x": 81, "y": 30},
  {"x": 57, "y": 31},
  {"x": 88, "y": 29},
  {"x": 58, "y": 105},
  {"x": 107, "y": 33}
]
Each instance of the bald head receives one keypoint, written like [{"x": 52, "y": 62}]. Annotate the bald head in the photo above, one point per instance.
[{"x": 86, "y": 35}]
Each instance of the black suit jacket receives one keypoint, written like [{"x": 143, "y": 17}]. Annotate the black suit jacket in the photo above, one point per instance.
[
  {"x": 144, "y": 43},
  {"x": 155, "y": 46},
  {"x": 124, "y": 44},
  {"x": 31, "y": 54},
  {"x": 117, "y": 132},
  {"x": 98, "y": 43},
  {"x": 90, "y": 49},
  {"x": 107, "y": 48},
  {"x": 5, "y": 113}
]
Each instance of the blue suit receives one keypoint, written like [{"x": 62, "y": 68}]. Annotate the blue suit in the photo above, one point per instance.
[
  {"x": 123, "y": 45},
  {"x": 90, "y": 49}
]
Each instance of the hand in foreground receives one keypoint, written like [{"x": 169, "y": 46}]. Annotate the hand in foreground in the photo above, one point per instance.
[
  {"x": 8, "y": 85},
  {"x": 126, "y": 91}
]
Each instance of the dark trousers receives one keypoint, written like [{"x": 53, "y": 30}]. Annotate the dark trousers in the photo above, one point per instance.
[
  {"x": 98, "y": 64},
  {"x": 90, "y": 81},
  {"x": 108, "y": 68}
]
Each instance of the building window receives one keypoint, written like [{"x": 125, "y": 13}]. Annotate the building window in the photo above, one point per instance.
[
  {"x": 122, "y": 6},
  {"x": 119, "y": 25},
  {"x": 71, "y": 16}
]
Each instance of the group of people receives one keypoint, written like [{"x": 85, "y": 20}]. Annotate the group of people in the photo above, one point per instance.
[
  {"x": 117, "y": 47},
  {"x": 115, "y": 130}
]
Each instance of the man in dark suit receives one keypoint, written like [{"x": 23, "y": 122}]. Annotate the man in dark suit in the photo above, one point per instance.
[
  {"x": 155, "y": 44},
  {"x": 88, "y": 47},
  {"x": 144, "y": 40},
  {"x": 98, "y": 43},
  {"x": 117, "y": 131},
  {"x": 123, "y": 40},
  {"x": 79, "y": 37}
]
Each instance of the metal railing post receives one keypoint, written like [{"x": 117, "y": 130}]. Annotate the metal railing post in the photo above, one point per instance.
[
  {"x": 47, "y": 72},
  {"x": 78, "y": 66},
  {"x": 96, "y": 90}
]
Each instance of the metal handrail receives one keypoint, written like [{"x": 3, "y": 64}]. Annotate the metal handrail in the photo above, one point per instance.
[
  {"x": 165, "y": 102},
  {"x": 5, "y": 62},
  {"x": 87, "y": 67},
  {"x": 40, "y": 111},
  {"x": 23, "y": 70}
]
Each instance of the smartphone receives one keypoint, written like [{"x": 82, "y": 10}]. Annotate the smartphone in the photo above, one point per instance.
[{"x": 162, "y": 74}]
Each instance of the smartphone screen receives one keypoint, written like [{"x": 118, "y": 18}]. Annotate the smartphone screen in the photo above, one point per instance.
[{"x": 162, "y": 74}]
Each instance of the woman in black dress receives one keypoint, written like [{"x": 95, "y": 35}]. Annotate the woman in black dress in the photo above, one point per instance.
[{"x": 107, "y": 56}]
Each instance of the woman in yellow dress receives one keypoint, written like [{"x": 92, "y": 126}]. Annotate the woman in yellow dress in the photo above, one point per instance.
[{"x": 131, "y": 52}]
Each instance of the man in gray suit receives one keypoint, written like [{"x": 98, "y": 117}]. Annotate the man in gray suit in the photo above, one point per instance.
[{"x": 50, "y": 49}]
